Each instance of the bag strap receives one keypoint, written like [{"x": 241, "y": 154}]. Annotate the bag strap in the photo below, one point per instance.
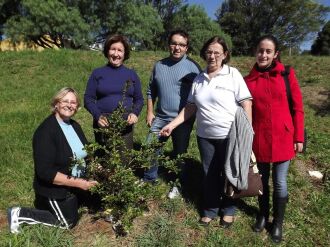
[{"x": 285, "y": 75}]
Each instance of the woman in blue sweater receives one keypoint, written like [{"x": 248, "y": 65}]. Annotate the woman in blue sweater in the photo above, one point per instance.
[{"x": 112, "y": 84}]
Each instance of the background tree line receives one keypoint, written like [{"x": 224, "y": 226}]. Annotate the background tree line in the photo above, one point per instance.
[{"x": 76, "y": 23}]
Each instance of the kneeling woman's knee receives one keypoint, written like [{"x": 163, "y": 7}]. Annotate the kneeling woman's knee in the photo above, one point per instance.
[{"x": 71, "y": 211}]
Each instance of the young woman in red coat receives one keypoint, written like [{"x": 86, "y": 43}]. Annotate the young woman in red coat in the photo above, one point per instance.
[{"x": 278, "y": 134}]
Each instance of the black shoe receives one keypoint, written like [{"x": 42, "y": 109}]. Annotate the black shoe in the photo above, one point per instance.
[
  {"x": 276, "y": 233},
  {"x": 204, "y": 223},
  {"x": 224, "y": 224},
  {"x": 260, "y": 224},
  {"x": 279, "y": 211}
]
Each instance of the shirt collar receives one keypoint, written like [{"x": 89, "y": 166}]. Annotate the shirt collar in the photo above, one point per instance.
[{"x": 224, "y": 71}]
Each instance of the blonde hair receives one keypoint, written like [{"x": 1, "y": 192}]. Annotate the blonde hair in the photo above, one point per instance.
[{"x": 58, "y": 96}]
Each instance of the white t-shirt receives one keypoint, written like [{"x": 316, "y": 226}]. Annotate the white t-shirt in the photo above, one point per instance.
[{"x": 217, "y": 101}]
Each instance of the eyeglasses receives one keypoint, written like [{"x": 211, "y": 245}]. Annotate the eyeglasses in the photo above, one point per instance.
[
  {"x": 67, "y": 102},
  {"x": 178, "y": 44},
  {"x": 216, "y": 53}
]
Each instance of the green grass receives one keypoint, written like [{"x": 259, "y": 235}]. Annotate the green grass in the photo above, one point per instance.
[{"x": 28, "y": 80}]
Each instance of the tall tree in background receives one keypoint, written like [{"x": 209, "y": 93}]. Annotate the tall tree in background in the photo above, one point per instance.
[
  {"x": 144, "y": 21},
  {"x": 56, "y": 21},
  {"x": 45, "y": 22},
  {"x": 166, "y": 10},
  {"x": 290, "y": 21},
  {"x": 8, "y": 8},
  {"x": 200, "y": 27},
  {"x": 321, "y": 45},
  {"x": 133, "y": 18},
  {"x": 108, "y": 13},
  {"x": 103, "y": 16},
  {"x": 92, "y": 12},
  {"x": 141, "y": 23}
]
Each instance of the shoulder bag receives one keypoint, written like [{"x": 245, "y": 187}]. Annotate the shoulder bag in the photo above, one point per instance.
[
  {"x": 254, "y": 185},
  {"x": 285, "y": 75}
]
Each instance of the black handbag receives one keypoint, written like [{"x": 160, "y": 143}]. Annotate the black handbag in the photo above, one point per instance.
[{"x": 254, "y": 185}]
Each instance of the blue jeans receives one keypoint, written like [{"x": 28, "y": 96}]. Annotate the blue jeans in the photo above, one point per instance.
[
  {"x": 279, "y": 176},
  {"x": 213, "y": 153},
  {"x": 180, "y": 139}
]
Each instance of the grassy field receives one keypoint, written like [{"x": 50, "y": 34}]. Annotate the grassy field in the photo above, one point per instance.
[{"x": 29, "y": 79}]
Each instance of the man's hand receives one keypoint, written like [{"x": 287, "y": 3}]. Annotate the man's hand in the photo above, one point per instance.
[{"x": 150, "y": 118}]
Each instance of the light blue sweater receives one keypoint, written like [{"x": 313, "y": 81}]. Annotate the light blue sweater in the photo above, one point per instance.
[
  {"x": 170, "y": 84},
  {"x": 77, "y": 148}
]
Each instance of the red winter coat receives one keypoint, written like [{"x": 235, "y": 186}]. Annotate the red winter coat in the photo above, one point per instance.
[{"x": 275, "y": 130}]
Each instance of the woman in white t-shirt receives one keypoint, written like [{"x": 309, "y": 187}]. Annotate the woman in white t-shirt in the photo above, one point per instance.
[{"x": 214, "y": 97}]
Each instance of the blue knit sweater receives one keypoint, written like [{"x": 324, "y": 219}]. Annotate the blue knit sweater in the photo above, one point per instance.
[
  {"x": 105, "y": 87},
  {"x": 170, "y": 84}
]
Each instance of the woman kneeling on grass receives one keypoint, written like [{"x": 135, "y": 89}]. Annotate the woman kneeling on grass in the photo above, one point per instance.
[
  {"x": 279, "y": 133},
  {"x": 56, "y": 142},
  {"x": 215, "y": 96}
]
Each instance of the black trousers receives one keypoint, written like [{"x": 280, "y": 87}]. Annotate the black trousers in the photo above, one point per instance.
[
  {"x": 61, "y": 213},
  {"x": 127, "y": 136}
]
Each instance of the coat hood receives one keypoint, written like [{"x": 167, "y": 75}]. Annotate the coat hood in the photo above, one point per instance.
[{"x": 255, "y": 73}]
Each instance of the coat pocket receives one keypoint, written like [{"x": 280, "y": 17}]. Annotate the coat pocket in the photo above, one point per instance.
[{"x": 289, "y": 127}]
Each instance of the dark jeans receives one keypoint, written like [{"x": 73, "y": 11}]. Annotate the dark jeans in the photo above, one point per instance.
[
  {"x": 279, "y": 177},
  {"x": 180, "y": 139},
  {"x": 213, "y": 152}
]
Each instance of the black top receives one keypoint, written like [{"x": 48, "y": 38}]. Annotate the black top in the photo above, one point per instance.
[{"x": 52, "y": 154}]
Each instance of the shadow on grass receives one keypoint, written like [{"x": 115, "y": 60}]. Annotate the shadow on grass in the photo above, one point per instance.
[
  {"x": 246, "y": 208},
  {"x": 322, "y": 108},
  {"x": 190, "y": 183}
]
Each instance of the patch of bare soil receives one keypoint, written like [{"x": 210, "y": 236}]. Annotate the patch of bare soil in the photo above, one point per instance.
[
  {"x": 3, "y": 220},
  {"x": 191, "y": 235},
  {"x": 303, "y": 167},
  {"x": 315, "y": 93},
  {"x": 318, "y": 98},
  {"x": 87, "y": 228}
]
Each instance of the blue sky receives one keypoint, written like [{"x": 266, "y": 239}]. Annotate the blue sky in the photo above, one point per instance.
[{"x": 211, "y": 7}]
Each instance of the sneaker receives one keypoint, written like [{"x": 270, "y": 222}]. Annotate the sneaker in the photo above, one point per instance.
[
  {"x": 174, "y": 192},
  {"x": 153, "y": 182},
  {"x": 12, "y": 214},
  {"x": 109, "y": 218}
]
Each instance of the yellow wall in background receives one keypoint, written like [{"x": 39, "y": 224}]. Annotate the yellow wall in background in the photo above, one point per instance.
[{"x": 8, "y": 45}]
